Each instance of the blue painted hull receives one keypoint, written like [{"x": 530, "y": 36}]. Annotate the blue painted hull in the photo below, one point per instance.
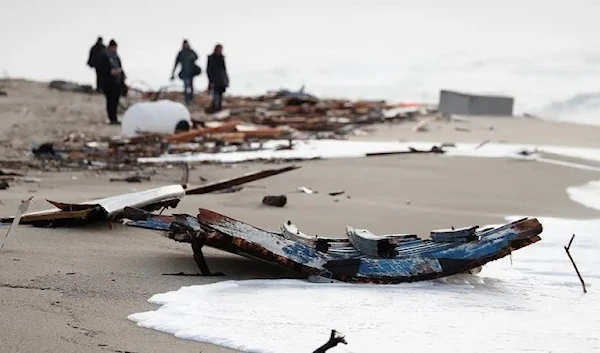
[{"x": 385, "y": 259}]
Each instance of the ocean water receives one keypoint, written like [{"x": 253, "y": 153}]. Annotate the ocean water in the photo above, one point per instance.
[{"x": 545, "y": 54}]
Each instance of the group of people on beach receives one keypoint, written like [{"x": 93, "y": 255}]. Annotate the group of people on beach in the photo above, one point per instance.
[{"x": 110, "y": 76}]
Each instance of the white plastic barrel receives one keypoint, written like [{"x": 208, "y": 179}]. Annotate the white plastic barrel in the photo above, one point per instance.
[{"x": 161, "y": 117}]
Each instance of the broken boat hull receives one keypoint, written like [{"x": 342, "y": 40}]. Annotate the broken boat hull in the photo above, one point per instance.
[{"x": 413, "y": 259}]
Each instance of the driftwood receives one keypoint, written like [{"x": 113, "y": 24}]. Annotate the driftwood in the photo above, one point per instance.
[
  {"x": 567, "y": 248},
  {"x": 334, "y": 340}
]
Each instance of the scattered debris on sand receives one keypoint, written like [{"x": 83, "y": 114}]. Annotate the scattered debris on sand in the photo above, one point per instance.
[{"x": 274, "y": 121}]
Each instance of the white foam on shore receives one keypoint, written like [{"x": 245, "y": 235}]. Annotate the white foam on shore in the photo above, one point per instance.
[
  {"x": 587, "y": 195},
  {"x": 328, "y": 149},
  {"x": 535, "y": 305}
]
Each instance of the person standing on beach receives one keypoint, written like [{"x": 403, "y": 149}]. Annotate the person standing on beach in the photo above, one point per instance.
[
  {"x": 218, "y": 80},
  {"x": 187, "y": 59},
  {"x": 93, "y": 59},
  {"x": 112, "y": 80}
]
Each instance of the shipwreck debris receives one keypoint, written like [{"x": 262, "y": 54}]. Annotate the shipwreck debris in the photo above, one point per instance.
[
  {"x": 244, "y": 126},
  {"x": 236, "y": 188},
  {"x": 4, "y": 185},
  {"x": 361, "y": 258},
  {"x": 567, "y": 250},
  {"x": 246, "y": 178},
  {"x": 275, "y": 200},
  {"x": 110, "y": 208}
]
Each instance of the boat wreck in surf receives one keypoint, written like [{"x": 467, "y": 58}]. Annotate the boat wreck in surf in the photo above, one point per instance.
[{"x": 361, "y": 257}]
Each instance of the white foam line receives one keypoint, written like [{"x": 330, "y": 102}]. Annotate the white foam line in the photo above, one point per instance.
[
  {"x": 327, "y": 149},
  {"x": 568, "y": 164}
]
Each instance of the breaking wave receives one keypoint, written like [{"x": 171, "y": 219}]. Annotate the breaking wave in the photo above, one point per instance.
[{"x": 581, "y": 108}]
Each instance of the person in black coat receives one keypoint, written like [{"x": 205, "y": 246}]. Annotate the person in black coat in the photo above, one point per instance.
[
  {"x": 218, "y": 80},
  {"x": 93, "y": 59},
  {"x": 187, "y": 59},
  {"x": 112, "y": 79}
]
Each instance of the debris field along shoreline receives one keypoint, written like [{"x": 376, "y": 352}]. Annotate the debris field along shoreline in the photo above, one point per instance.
[{"x": 84, "y": 268}]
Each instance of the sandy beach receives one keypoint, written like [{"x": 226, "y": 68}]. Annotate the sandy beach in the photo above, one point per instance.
[{"x": 71, "y": 290}]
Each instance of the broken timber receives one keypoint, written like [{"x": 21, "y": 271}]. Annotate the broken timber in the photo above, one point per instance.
[
  {"x": 246, "y": 178},
  {"x": 361, "y": 258},
  {"x": 112, "y": 208},
  {"x": 103, "y": 209}
]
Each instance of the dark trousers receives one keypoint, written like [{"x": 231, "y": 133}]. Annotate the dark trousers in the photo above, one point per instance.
[
  {"x": 98, "y": 88},
  {"x": 188, "y": 89},
  {"x": 217, "y": 101},
  {"x": 112, "y": 94}
]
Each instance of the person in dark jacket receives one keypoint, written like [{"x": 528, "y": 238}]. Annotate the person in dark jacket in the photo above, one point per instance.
[
  {"x": 112, "y": 79},
  {"x": 95, "y": 53},
  {"x": 218, "y": 80},
  {"x": 187, "y": 59}
]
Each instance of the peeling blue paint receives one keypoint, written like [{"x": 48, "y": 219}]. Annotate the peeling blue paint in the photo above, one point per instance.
[
  {"x": 402, "y": 267},
  {"x": 151, "y": 223},
  {"x": 300, "y": 253},
  {"x": 415, "y": 258}
]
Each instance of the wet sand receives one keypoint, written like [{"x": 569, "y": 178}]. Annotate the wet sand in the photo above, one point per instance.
[{"x": 71, "y": 290}]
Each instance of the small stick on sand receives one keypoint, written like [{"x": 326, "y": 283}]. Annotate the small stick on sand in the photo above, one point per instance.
[
  {"x": 482, "y": 144},
  {"x": 567, "y": 248},
  {"x": 185, "y": 178},
  {"x": 23, "y": 207}
]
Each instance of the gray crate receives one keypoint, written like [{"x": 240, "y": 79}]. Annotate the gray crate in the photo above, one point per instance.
[{"x": 470, "y": 104}]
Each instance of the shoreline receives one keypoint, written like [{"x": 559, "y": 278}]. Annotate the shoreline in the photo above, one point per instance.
[{"x": 71, "y": 289}]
